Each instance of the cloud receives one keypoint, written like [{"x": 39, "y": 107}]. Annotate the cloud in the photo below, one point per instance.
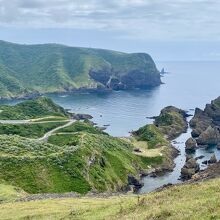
[{"x": 138, "y": 19}]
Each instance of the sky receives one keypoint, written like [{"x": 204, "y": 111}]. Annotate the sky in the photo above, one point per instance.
[{"x": 166, "y": 29}]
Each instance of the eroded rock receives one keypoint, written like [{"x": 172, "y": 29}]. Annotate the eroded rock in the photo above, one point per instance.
[
  {"x": 190, "y": 168},
  {"x": 191, "y": 144},
  {"x": 210, "y": 136},
  {"x": 213, "y": 159}
]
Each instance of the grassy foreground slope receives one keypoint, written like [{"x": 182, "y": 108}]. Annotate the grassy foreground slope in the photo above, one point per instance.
[
  {"x": 183, "y": 202},
  {"x": 26, "y": 69}
]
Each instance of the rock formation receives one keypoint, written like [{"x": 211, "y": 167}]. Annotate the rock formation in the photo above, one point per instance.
[
  {"x": 191, "y": 144},
  {"x": 190, "y": 168},
  {"x": 206, "y": 124}
]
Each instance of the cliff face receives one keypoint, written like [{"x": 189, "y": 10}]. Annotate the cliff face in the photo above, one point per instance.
[
  {"x": 56, "y": 68},
  {"x": 206, "y": 124}
]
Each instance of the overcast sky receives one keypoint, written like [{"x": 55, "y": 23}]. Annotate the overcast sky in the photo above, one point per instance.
[{"x": 167, "y": 29}]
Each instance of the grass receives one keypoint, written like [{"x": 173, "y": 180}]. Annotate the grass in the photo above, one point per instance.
[
  {"x": 39, "y": 107},
  {"x": 110, "y": 159},
  {"x": 152, "y": 135},
  {"x": 78, "y": 158},
  {"x": 10, "y": 193},
  {"x": 75, "y": 162},
  {"x": 47, "y": 68},
  {"x": 171, "y": 122},
  {"x": 29, "y": 130},
  {"x": 50, "y": 118},
  {"x": 81, "y": 126},
  {"x": 145, "y": 151},
  {"x": 193, "y": 201}
]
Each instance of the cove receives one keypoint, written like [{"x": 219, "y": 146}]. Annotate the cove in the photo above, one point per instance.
[{"x": 187, "y": 85}]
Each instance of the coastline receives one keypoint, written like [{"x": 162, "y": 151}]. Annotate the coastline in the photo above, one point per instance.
[{"x": 32, "y": 95}]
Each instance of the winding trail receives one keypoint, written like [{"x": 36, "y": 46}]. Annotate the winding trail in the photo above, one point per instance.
[{"x": 49, "y": 133}]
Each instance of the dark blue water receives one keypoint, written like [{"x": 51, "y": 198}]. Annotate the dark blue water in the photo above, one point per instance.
[{"x": 188, "y": 85}]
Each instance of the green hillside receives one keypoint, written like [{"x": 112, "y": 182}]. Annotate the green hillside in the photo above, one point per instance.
[
  {"x": 76, "y": 156},
  {"x": 36, "y": 108},
  {"x": 78, "y": 162},
  {"x": 26, "y": 69}
]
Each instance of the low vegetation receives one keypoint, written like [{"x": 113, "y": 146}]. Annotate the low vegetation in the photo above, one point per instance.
[
  {"x": 152, "y": 135},
  {"x": 171, "y": 122},
  {"x": 9, "y": 193},
  {"x": 168, "y": 125},
  {"x": 50, "y": 118},
  {"x": 77, "y": 162},
  {"x": 191, "y": 201},
  {"x": 29, "y": 130},
  {"x": 78, "y": 126},
  {"x": 36, "y": 108},
  {"x": 78, "y": 158}
]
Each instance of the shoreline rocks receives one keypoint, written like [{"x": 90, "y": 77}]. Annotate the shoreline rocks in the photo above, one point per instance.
[
  {"x": 191, "y": 145},
  {"x": 82, "y": 116},
  {"x": 133, "y": 181},
  {"x": 213, "y": 159},
  {"x": 206, "y": 124},
  {"x": 190, "y": 168}
]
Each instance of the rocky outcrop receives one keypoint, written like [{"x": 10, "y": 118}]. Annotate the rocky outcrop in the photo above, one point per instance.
[
  {"x": 82, "y": 116},
  {"x": 133, "y": 181},
  {"x": 190, "y": 168},
  {"x": 212, "y": 171},
  {"x": 172, "y": 122},
  {"x": 206, "y": 124},
  {"x": 200, "y": 122},
  {"x": 211, "y": 136},
  {"x": 213, "y": 159},
  {"x": 191, "y": 144}
]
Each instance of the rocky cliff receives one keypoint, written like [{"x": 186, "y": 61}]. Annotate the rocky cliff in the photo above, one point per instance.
[{"x": 206, "y": 124}]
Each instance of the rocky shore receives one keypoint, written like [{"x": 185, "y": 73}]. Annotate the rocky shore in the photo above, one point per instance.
[
  {"x": 166, "y": 127},
  {"x": 206, "y": 125},
  {"x": 172, "y": 122}
]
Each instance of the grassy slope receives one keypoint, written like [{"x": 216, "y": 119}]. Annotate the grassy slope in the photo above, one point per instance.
[
  {"x": 105, "y": 161},
  {"x": 10, "y": 193},
  {"x": 29, "y": 130},
  {"x": 39, "y": 107},
  {"x": 171, "y": 122},
  {"x": 52, "y": 67},
  {"x": 152, "y": 135},
  {"x": 81, "y": 126},
  {"x": 194, "y": 201},
  {"x": 78, "y": 158},
  {"x": 168, "y": 125},
  {"x": 81, "y": 159}
]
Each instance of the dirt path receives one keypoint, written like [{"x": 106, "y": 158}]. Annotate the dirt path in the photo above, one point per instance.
[{"x": 49, "y": 133}]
